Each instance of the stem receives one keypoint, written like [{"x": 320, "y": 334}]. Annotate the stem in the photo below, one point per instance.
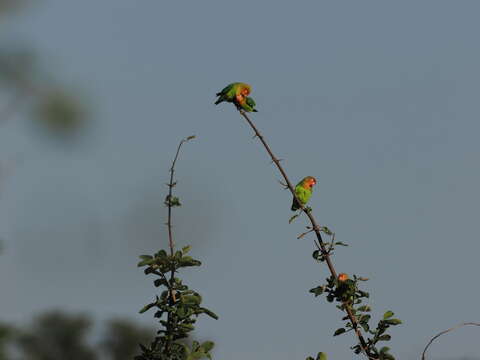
[
  {"x": 444, "y": 332},
  {"x": 171, "y": 184},
  {"x": 316, "y": 228},
  {"x": 171, "y": 243}
]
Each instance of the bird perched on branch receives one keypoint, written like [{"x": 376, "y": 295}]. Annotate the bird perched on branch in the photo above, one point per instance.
[
  {"x": 303, "y": 190},
  {"x": 235, "y": 93}
]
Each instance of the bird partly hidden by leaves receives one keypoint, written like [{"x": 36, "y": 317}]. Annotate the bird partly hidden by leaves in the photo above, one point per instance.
[
  {"x": 237, "y": 93},
  {"x": 303, "y": 190}
]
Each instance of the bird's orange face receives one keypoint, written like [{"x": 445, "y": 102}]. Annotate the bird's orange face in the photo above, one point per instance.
[
  {"x": 240, "y": 98},
  {"x": 245, "y": 91},
  {"x": 342, "y": 277},
  {"x": 309, "y": 182}
]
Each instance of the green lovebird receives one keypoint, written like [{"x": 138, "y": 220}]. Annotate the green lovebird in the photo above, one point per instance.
[
  {"x": 234, "y": 92},
  {"x": 303, "y": 190},
  {"x": 248, "y": 104}
]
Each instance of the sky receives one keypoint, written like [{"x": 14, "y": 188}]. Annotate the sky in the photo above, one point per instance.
[{"x": 377, "y": 100}]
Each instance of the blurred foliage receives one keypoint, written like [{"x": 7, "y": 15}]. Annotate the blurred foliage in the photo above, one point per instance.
[
  {"x": 10, "y": 5},
  {"x": 54, "y": 108},
  {"x": 6, "y": 333},
  {"x": 122, "y": 339},
  {"x": 59, "y": 112},
  {"x": 16, "y": 66},
  {"x": 58, "y": 335},
  {"x": 24, "y": 82}
]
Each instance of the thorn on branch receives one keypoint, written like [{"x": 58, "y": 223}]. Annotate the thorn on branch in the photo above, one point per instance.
[
  {"x": 171, "y": 185},
  {"x": 303, "y": 234},
  {"x": 276, "y": 161},
  {"x": 285, "y": 186}
]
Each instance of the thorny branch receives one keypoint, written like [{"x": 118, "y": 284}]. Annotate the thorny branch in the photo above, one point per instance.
[
  {"x": 316, "y": 228},
  {"x": 169, "y": 200},
  {"x": 170, "y": 203}
]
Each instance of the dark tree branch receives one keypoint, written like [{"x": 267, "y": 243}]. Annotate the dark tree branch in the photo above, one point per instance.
[{"x": 316, "y": 228}]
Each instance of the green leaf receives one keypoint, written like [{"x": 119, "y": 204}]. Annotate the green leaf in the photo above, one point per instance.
[
  {"x": 161, "y": 254},
  {"x": 292, "y": 218},
  {"x": 186, "y": 327},
  {"x": 186, "y": 349},
  {"x": 364, "y": 319},
  {"x": 385, "y": 337},
  {"x": 191, "y": 137},
  {"x": 192, "y": 299},
  {"x": 186, "y": 249},
  {"x": 388, "y": 315},
  {"x": 172, "y": 201},
  {"x": 325, "y": 230},
  {"x": 384, "y": 349},
  {"x": 188, "y": 261},
  {"x": 309, "y": 358},
  {"x": 159, "y": 282},
  {"x": 210, "y": 313},
  {"x": 363, "y": 293},
  {"x": 147, "y": 307},
  {"x": 339, "y": 331},
  {"x": 317, "y": 290},
  {"x": 393, "y": 322},
  {"x": 207, "y": 346},
  {"x": 364, "y": 308},
  {"x": 341, "y": 243},
  {"x": 197, "y": 355},
  {"x": 146, "y": 262},
  {"x": 146, "y": 257}
]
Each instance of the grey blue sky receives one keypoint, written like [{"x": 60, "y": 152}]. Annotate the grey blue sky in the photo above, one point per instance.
[{"x": 377, "y": 99}]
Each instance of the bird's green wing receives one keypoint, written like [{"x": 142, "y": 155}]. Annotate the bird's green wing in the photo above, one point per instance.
[
  {"x": 303, "y": 194},
  {"x": 250, "y": 102},
  {"x": 226, "y": 90}
]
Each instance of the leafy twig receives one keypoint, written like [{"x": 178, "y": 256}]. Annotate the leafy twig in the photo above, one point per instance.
[
  {"x": 178, "y": 306},
  {"x": 170, "y": 201}
]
